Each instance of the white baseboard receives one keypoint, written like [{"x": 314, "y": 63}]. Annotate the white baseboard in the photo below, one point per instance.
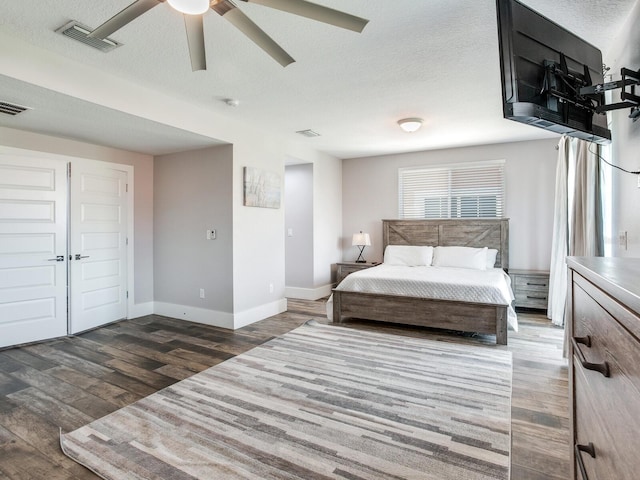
[
  {"x": 195, "y": 314},
  {"x": 242, "y": 319},
  {"x": 220, "y": 319},
  {"x": 308, "y": 293},
  {"x": 140, "y": 310}
]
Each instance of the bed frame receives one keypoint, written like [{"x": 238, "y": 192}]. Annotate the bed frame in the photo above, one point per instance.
[{"x": 446, "y": 314}]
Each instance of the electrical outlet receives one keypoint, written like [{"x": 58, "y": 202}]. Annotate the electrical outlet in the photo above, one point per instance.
[
  {"x": 271, "y": 288},
  {"x": 202, "y": 293}
]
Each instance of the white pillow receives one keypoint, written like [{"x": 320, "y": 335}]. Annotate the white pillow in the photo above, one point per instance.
[
  {"x": 492, "y": 254},
  {"x": 461, "y": 257},
  {"x": 408, "y": 255}
]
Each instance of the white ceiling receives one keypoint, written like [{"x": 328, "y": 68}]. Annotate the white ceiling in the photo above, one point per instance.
[{"x": 434, "y": 59}]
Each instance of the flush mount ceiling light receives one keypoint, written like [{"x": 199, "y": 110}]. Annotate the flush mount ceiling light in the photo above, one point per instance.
[
  {"x": 410, "y": 124},
  {"x": 190, "y": 7}
]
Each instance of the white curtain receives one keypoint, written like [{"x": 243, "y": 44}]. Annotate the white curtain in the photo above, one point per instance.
[
  {"x": 558, "y": 270},
  {"x": 585, "y": 227},
  {"x": 577, "y": 226}
]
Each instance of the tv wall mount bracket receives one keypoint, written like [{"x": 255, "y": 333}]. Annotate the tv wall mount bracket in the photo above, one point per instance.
[
  {"x": 560, "y": 85},
  {"x": 630, "y": 99}
]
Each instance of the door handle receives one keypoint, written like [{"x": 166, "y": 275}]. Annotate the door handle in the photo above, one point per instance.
[
  {"x": 79, "y": 257},
  {"x": 59, "y": 258}
]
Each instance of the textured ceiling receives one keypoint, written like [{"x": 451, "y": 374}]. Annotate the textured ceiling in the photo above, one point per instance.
[{"x": 435, "y": 59}]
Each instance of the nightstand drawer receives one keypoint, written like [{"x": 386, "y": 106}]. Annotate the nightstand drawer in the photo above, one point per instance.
[
  {"x": 532, "y": 282},
  {"x": 531, "y": 299},
  {"x": 346, "y": 268}
]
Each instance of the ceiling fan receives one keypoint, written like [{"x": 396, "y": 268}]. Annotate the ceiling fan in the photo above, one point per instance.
[{"x": 194, "y": 10}]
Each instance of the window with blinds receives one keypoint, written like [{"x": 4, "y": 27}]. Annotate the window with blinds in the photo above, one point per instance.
[{"x": 470, "y": 190}]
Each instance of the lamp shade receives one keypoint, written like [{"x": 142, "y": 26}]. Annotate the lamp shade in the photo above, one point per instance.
[
  {"x": 361, "y": 239},
  {"x": 410, "y": 124},
  {"x": 190, "y": 7}
]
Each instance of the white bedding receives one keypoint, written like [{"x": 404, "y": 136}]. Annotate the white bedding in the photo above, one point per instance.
[{"x": 447, "y": 283}]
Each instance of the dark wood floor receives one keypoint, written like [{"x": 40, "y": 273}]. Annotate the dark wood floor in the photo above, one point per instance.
[{"x": 66, "y": 383}]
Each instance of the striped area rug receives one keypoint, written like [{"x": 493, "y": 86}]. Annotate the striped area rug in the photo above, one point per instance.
[{"x": 320, "y": 402}]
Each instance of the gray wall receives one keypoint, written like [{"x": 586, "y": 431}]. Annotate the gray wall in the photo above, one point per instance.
[
  {"x": 193, "y": 193},
  {"x": 625, "y": 142},
  {"x": 370, "y": 194},
  {"x": 298, "y": 187}
]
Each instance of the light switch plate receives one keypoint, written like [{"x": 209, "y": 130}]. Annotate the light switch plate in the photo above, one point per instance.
[{"x": 623, "y": 239}]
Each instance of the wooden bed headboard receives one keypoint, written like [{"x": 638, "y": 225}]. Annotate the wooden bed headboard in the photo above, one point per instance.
[{"x": 472, "y": 232}]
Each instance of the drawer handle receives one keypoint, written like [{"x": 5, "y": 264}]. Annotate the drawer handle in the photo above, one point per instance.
[
  {"x": 537, "y": 284},
  {"x": 603, "y": 367},
  {"x": 590, "y": 449},
  {"x": 586, "y": 341},
  {"x": 533, "y": 297}
]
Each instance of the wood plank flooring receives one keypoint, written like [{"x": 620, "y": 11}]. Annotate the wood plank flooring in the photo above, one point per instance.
[{"x": 66, "y": 383}]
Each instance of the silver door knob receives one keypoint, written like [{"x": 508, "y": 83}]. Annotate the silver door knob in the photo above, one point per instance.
[
  {"x": 79, "y": 257},
  {"x": 59, "y": 258}
]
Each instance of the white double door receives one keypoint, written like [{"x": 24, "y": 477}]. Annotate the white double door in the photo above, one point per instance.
[{"x": 63, "y": 247}]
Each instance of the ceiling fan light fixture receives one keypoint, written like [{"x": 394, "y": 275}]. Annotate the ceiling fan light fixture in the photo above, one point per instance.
[
  {"x": 410, "y": 125},
  {"x": 190, "y": 7}
]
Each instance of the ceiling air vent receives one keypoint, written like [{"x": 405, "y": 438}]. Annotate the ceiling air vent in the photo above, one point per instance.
[
  {"x": 12, "y": 108},
  {"x": 79, "y": 32},
  {"x": 308, "y": 133}
]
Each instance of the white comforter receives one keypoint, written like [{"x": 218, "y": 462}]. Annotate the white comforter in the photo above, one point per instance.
[{"x": 482, "y": 286}]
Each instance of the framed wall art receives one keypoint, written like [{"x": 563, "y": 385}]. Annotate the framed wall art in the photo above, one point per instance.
[{"x": 261, "y": 188}]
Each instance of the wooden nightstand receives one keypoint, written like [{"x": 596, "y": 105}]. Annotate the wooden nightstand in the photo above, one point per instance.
[
  {"x": 345, "y": 268},
  {"x": 531, "y": 288}
]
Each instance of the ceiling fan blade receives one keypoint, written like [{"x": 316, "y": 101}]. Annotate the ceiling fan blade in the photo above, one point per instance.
[
  {"x": 316, "y": 12},
  {"x": 243, "y": 23},
  {"x": 195, "y": 38},
  {"x": 125, "y": 16}
]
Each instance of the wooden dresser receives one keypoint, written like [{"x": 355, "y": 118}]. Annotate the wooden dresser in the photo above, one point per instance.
[{"x": 604, "y": 377}]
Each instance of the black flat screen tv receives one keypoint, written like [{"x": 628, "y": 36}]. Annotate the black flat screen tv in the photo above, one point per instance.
[{"x": 543, "y": 67}]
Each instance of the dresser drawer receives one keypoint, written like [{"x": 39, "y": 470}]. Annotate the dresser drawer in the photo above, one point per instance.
[
  {"x": 590, "y": 429},
  {"x": 610, "y": 341},
  {"x": 607, "y": 408},
  {"x": 603, "y": 420}
]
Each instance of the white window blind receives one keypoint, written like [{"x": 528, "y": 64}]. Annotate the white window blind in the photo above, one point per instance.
[{"x": 470, "y": 190}]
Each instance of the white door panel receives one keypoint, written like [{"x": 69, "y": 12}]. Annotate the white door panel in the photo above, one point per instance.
[
  {"x": 33, "y": 249},
  {"x": 98, "y": 246},
  {"x": 32, "y": 176}
]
